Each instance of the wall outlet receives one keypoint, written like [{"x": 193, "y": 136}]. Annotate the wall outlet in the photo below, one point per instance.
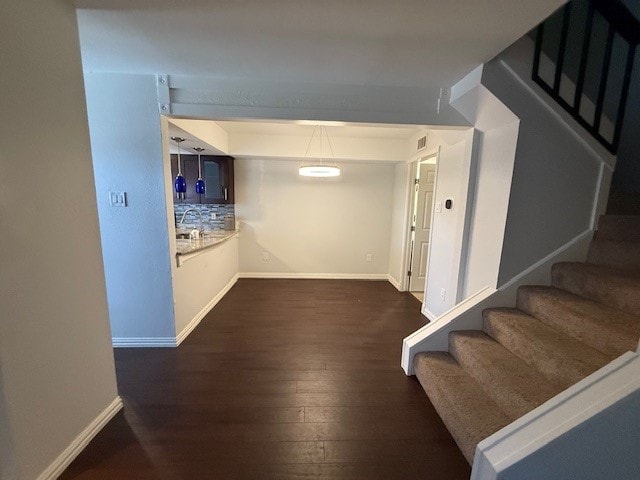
[
  {"x": 265, "y": 256},
  {"x": 443, "y": 294},
  {"x": 369, "y": 257},
  {"x": 118, "y": 199},
  {"x": 214, "y": 216}
]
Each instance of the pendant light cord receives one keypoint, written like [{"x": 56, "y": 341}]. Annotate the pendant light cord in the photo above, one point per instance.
[
  {"x": 329, "y": 142},
  {"x": 310, "y": 140}
]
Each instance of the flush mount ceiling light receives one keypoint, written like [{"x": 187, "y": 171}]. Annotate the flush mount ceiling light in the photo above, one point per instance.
[{"x": 319, "y": 169}]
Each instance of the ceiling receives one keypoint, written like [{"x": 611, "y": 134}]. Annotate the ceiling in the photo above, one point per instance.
[
  {"x": 306, "y": 128},
  {"x": 401, "y": 43},
  {"x": 298, "y": 128}
]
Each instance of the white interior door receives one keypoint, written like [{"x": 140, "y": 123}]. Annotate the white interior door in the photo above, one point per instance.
[{"x": 424, "y": 207}]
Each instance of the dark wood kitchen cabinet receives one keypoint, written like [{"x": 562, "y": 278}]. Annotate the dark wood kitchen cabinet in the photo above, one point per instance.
[{"x": 217, "y": 172}]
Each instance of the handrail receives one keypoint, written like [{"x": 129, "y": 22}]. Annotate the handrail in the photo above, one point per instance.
[{"x": 621, "y": 27}]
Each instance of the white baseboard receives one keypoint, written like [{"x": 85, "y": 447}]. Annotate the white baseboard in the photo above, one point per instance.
[
  {"x": 394, "y": 282},
  {"x": 58, "y": 466},
  {"x": 133, "y": 342},
  {"x": 317, "y": 276},
  {"x": 201, "y": 314},
  {"x": 428, "y": 313}
]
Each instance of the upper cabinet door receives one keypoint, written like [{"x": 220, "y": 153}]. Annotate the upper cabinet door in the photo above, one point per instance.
[{"x": 217, "y": 172}]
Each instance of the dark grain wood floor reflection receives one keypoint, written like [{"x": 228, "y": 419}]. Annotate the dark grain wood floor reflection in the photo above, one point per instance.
[{"x": 283, "y": 379}]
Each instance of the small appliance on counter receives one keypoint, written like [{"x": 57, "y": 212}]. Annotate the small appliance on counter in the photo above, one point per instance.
[{"x": 229, "y": 221}]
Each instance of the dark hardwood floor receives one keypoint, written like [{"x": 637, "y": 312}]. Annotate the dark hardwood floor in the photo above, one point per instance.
[{"x": 283, "y": 379}]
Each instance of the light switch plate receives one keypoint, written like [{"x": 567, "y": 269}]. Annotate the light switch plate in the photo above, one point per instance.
[
  {"x": 439, "y": 206},
  {"x": 118, "y": 199}
]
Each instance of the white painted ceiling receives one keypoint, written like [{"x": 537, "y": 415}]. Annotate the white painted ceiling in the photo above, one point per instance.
[
  {"x": 403, "y": 43},
  {"x": 299, "y": 128},
  {"x": 306, "y": 128}
]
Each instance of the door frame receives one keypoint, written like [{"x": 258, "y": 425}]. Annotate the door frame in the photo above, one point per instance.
[{"x": 411, "y": 194}]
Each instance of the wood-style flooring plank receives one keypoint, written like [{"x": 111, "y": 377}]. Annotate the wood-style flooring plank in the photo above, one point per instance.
[{"x": 283, "y": 379}]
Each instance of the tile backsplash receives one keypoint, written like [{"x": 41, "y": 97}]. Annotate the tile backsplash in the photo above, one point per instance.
[{"x": 192, "y": 219}]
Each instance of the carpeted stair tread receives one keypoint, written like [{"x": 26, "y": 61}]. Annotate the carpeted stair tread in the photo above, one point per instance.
[
  {"x": 466, "y": 410},
  {"x": 516, "y": 387},
  {"x": 606, "y": 285},
  {"x": 562, "y": 359},
  {"x": 606, "y": 329}
]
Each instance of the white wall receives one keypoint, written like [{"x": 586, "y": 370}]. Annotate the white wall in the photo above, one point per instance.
[
  {"x": 556, "y": 174},
  {"x": 295, "y": 146},
  {"x": 496, "y": 155},
  {"x": 128, "y": 156},
  {"x": 314, "y": 226},
  {"x": 201, "y": 281},
  {"x": 447, "y": 249},
  {"x": 56, "y": 363},
  {"x": 399, "y": 213}
]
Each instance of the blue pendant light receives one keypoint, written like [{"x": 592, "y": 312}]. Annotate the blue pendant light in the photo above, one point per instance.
[
  {"x": 200, "y": 186},
  {"x": 180, "y": 184}
]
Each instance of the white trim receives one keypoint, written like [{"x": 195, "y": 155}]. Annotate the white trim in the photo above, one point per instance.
[
  {"x": 584, "y": 236},
  {"x": 434, "y": 335},
  {"x": 467, "y": 315},
  {"x": 467, "y": 83},
  {"x": 548, "y": 424},
  {"x": 318, "y": 276},
  {"x": 201, "y": 314},
  {"x": 524, "y": 46},
  {"x": 596, "y": 198},
  {"x": 428, "y": 313},
  {"x": 394, "y": 282},
  {"x": 126, "y": 342},
  {"x": 55, "y": 469}
]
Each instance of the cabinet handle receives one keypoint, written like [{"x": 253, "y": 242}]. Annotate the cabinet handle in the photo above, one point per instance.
[{"x": 225, "y": 193}]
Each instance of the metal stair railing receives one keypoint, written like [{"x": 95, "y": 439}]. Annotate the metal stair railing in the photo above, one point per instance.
[{"x": 584, "y": 58}]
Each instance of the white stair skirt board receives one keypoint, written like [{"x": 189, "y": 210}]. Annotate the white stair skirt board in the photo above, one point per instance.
[
  {"x": 131, "y": 342},
  {"x": 58, "y": 466},
  {"x": 206, "y": 309},
  {"x": 547, "y": 437},
  {"x": 467, "y": 315},
  {"x": 317, "y": 276}
]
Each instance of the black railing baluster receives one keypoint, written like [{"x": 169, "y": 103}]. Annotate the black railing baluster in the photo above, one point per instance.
[
  {"x": 631, "y": 54},
  {"x": 536, "y": 55},
  {"x": 604, "y": 76},
  {"x": 583, "y": 60},
  {"x": 619, "y": 21},
  {"x": 561, "y": 48}
]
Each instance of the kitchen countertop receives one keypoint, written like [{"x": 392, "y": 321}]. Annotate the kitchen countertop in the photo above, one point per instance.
[{"x": 187, "y": 247}]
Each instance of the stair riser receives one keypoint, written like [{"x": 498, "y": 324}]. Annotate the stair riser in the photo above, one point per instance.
[
  {"x": 598, "y": 335},
  {"x": 561, "y": 359},
  {"x": 483, "y": 362},
  {"x": 614, "y": 292},
  {"x": 467, "y": 412},
  {"x": 621, "y": 255},
  {"x": 618, "y": 228}
]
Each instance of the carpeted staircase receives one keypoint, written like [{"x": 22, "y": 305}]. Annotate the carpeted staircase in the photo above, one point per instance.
[{"x": 555, "y": 336}]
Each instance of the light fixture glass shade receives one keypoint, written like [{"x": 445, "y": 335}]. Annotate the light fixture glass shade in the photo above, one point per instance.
[
  {"x": 200, "y": 186},
  {"x": 319, "y": 171},
  {"x": 180, "y": 184}
]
